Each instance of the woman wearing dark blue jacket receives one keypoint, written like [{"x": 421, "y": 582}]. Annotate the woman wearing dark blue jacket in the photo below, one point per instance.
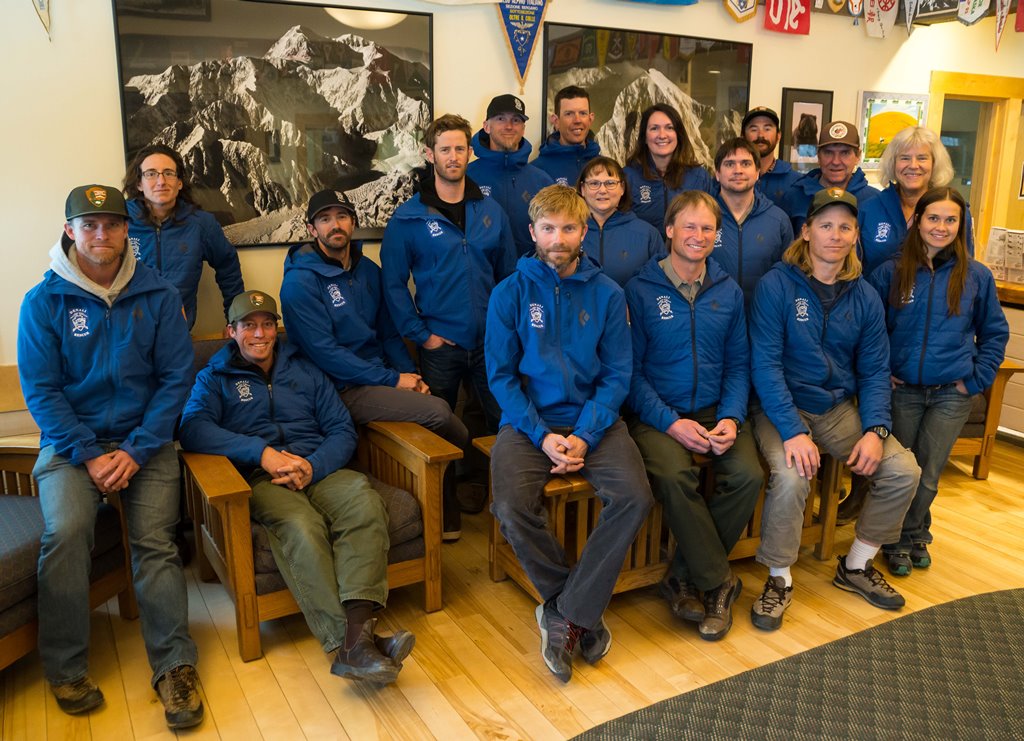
[
  {"x": 914, "y": 161},
  {"x": 172, "y": 235},
  {"x": 619, "y": 241},
  {"x": 947, "y": 335},
  {"x": 662, "y": 165}
]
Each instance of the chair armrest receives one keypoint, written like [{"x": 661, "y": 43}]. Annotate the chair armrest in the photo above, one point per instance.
[
  {"x": 416, "y": 440},
  {"x": 216, "y": 477}
]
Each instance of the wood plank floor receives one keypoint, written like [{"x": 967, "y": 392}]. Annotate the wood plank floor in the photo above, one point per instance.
[{"x": 476, "y": 670}]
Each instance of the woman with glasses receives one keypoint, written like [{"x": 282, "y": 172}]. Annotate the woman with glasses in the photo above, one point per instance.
[
  {"x": 615, "y": 237},
  {"x": 662, "y": 165},
  {"x": 947, "y": 338},
  {"x": 171, "y": 234},
  {"x": 914, "y": 161}
]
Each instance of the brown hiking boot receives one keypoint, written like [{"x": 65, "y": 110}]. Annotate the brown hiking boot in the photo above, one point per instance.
[
  {"x": 365, "y": 660},
  {"x": 79, "y": 696},
  {"x": 683, "y": 599},
  {"x": 718, "y": 609},
  {"x": 183, "y": 707}
]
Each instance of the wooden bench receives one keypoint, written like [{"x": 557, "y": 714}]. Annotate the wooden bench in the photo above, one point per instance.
[{"x": 573, "y": 511}]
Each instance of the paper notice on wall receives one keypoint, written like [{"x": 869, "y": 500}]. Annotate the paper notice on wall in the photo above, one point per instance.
[
  {"x": 880, "y": 17},
  {"x": 787, "y": 16},
  {"x": 970, "y": 12},
  {"x": 43, "y": 11}
]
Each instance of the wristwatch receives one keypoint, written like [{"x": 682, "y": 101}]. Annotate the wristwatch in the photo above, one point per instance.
[{"x": 879, "y": 430}]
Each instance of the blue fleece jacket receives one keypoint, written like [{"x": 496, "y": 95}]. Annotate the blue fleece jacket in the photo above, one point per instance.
[
  {"x": 237, "y": 411},
  {"x": 800, "y": 194},
  {"x": 179, "y": 246},
  {"x": 454, "y": 270},
  {"x": 511, "y": 182},
  {"x": 651, "y": 197},
  {"x": 883, "y": 229},
  {"x": 623, "y": 245},
  {"x": 807, "y": 359},
  {"x": 92, "y": 373},
  {"x": 774, "y": 184},
  {"x": 687, "y": 357},
  {"x": 339, "y": 319},
  {"x": 928, "y": 346},
  {"x": 564, "y": 162},
  {"x": 558, "y": 351},
  {"x": 747, "y": 251}
]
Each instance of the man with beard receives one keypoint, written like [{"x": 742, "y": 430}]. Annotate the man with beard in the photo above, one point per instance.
[
  {"x": 753, "y": 232},
  {"x": 457, "y": 245},
  {"x": 838, "y": 156},
  {"x": 501, "y": 167},
  {"x": 559, "y": 363},
  {"x": 334, "y": 311},
  {"x": 572, "y": 144},
  {"x": 761, "y": 128}
]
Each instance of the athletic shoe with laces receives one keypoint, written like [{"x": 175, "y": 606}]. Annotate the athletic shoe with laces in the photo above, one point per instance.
[
  {"x": 718, "y": 609},
  {"x": 183, "y": 708},
  {"x": 869, "y": 584},
  {"x": 595, "y": 643},
  {"x": 899, "y": 563},
  {"x": 683, "y": 599},
  {"x": 767, "y": 611},
  {"x": 76, "y": 697},
  {"x": 558, "y": 639},
  {"x": 919, "y": 556}
]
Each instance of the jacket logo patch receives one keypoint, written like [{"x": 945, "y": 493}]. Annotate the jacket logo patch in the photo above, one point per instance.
[
  {"x": 136, "y": 245},
  {"x": 645, "y": 194},
  {"x": 910, "y": 298},
  {"x": 584, "y": 317},
  {"x": 244, "y": 391},
  {"x": 486, "y": 222},
  {"x": 801, "y": 310},
  {"x": 79, "y": 322},
  {"x": 537, "y": 316},
  {"x": 485, "y": 189},
  {"x": 562, "y": 181},
  {"x": 434, "y": 228},
  {"x": 883, "y": 232},
  {"x": 337, "y": 300},
  {"x": 665, "y": 307},
  {"x": 718, "y": 239}
]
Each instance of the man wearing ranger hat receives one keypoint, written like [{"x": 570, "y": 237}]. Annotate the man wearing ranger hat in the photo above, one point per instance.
[
  {"x": 838, "y": 157},
  {"x": 105, "y": 360},
  {"x": 502, "y": 168},
  {"x": 327, "y": 525},
  {"x": 761, "y": 128}
]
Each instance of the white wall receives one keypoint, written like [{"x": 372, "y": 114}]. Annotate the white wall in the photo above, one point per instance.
[{"x": 63, "y": 125}]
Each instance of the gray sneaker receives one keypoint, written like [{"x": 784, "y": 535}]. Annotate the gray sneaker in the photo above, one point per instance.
[
  {"x": 869, "y": 584},
  {"x": 718, "y": 609},
  {"x": 595, "y": 643},
  {"x": 76, "y": 697},
  {"x": 767, "y": 611}
]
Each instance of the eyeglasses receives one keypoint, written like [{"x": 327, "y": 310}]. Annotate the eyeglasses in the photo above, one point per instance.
[
  {"x": 596, "y": 184},
  {"x": 154, "y": 174}
]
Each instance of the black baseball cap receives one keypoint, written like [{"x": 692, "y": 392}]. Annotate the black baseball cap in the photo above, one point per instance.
[
  {"x": 760, "y": 111},
  {"x": 506, "y": 104},
  {"x": 326, "y": 199},
  {"x": 829, "y": 196},
  {"x": 95, "y": 199}
]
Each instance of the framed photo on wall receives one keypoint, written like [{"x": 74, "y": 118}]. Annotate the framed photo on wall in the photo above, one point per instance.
[
  {"x": 706, "y": 80},
  {"x": 269, "y": 102},
  {"x": 801, "y": 117},
  {"x": 883, "y": 115}
]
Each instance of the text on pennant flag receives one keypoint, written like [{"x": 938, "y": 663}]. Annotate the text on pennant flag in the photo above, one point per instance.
[
  {"x": 787, "y": 16},
  {"x": 521, "y": 20}
]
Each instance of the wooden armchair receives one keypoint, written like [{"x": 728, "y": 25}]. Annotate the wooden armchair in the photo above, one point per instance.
[
  {"x": 21, "y": 526},
  {"x": 399, "y": 454},
  {"x": 979, "y": 434}
]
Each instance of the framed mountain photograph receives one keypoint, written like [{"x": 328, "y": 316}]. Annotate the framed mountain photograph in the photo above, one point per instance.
[{"x": 269, "y": 102}]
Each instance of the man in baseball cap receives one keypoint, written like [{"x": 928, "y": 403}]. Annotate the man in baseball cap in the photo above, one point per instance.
[
  {"x": 838, "y": 160},
  {"x": 105, "y": 360},
  {"x": 502, "y": 168},
  {"x": 761, "y": 128}
]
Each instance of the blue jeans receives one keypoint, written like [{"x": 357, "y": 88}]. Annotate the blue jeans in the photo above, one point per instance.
[
  {"x": 69, "y": 502},
  {"x": 330, "y": 543},
  {"x": 835, "y": 431},
  {"x": 615, "y": 469},
  {"x": 444, "y": 370},
  {"x": 927, "y": 420}
]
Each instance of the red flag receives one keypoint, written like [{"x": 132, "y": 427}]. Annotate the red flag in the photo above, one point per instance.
[
  {"x": 788, "y": 16},
  {"x": 1018, "y": 25}
]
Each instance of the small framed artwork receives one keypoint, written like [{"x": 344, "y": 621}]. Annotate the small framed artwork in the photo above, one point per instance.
[
  {"x": 883, "y": 115},
  {"x": 803, "y": 114}
]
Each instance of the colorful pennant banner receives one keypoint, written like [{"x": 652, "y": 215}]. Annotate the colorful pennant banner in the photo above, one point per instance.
[
  {"x": 521, "y": 20},
  {"x": 787, "y": 16}
]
